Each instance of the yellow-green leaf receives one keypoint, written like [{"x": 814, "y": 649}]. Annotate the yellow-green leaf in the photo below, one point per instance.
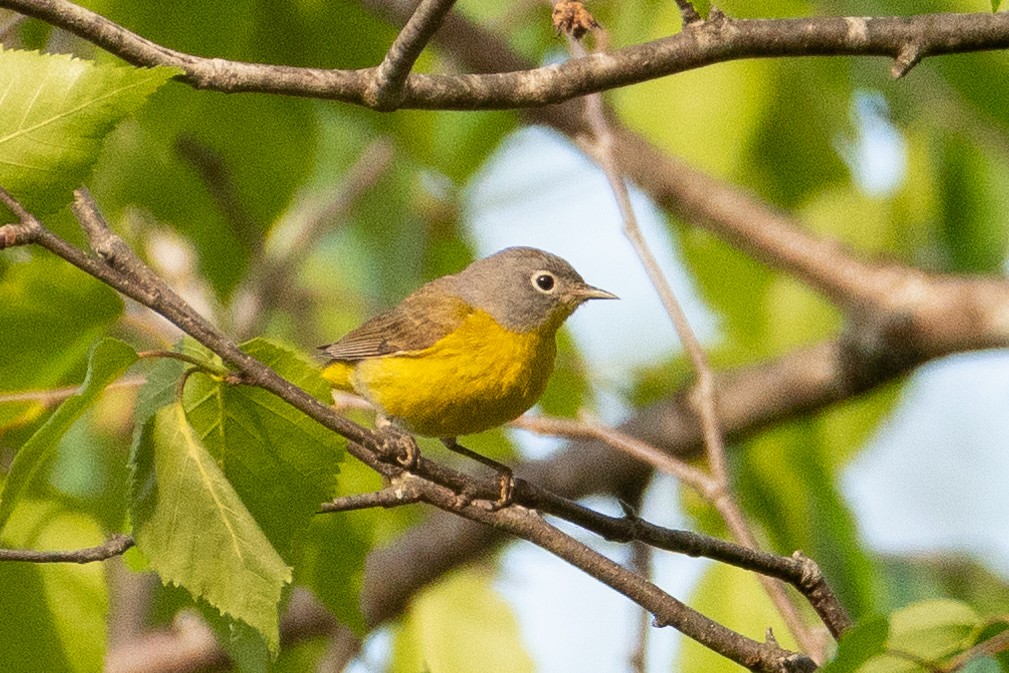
[
  {"x": 461, "y": 625},
  {"x": 109, "y": 359},
  {"x": 54, "y": 112},
  {"x": 195, "y": 530}
]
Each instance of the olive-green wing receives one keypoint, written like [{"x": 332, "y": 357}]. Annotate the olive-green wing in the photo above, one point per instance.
[{"x": 419, "y": 321}]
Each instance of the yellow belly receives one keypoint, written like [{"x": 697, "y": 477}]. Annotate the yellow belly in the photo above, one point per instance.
[{"x": 476, "y": 378}]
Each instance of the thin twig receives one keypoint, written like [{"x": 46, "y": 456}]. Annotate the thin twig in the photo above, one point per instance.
[
  {"x": 114, "y": 546},
  {"x": 602, "y": 150},
  {"x": 995, "y": 645},
  {"x": 721, "y": 496},
  {"x": 48, "y": 398},
  {"x": 688, "y": 12},
  {"x": 585, "y": 429},
  {"x": 798, "y": 570},
  {"x": 202, "y": 365},
  {"x": 392, "y": 496},
  {"x": 386, "y": 89}
]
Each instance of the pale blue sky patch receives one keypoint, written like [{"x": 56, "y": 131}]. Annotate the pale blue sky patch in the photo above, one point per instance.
[
  {"x": 877, "y": 154},
  {"x": 929, "y": 480}
]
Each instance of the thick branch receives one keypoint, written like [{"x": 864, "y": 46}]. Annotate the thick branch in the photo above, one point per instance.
[{"x": 704, "y": 43}]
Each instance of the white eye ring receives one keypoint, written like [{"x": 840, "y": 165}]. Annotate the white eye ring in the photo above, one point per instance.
[{"x": 544, "y": 282}]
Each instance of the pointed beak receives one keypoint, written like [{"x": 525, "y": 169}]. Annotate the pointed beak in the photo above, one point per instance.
[{"x": 586, "y": 292}]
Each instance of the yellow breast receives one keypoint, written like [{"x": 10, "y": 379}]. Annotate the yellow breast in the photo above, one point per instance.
[{"x": 478, "y": 377}]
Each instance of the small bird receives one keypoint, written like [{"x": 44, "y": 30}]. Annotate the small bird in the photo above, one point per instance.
[{"x": 466, "y": 352}]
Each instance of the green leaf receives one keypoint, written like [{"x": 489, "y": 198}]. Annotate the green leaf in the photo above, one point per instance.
[
  {"x": 195, "y": 530},
  {"x": 54, "y": 334},
  {"x": 56, "y": 111},
  {"x": 923, "y": 634},
  {"x": 865, "y": 640},
  {"x": 55, "y": 614},
  {"x": 933, "y": 629},
  {"x": 995, "y": 4},
  {"x": 280, "y": 462},
  {"x": 332, "y": 564},
  {"x": 109, "y": 359},
  {"x": 461, "y": 625}
]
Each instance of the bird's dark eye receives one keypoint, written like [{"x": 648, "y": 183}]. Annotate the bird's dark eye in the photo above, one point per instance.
[{"x": 544, "y": 281}]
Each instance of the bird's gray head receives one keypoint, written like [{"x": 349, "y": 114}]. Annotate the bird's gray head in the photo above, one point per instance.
[{"x": 525, "y": 289}]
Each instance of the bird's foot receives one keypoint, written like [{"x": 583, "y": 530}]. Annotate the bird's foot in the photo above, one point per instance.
[
  {"x": 403, "y": 446},
  {"x": 507, "y": 482}
]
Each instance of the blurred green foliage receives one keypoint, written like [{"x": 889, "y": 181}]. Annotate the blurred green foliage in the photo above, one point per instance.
[
  {"x": 460, "y": 624},
  {"x": 211, "y": 189}
]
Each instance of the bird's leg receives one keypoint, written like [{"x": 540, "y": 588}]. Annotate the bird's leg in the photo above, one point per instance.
[
  {"x": 394, "y": 439},
  {"x": 505, "y": 475}
]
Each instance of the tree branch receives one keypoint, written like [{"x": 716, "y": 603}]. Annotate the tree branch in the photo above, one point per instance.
[
  {"x": 386, "y": 90},
  {"x": 114, "y": 546},
  {"x": 717, "y": 40},
  {"x": 527, "y": 524}
]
